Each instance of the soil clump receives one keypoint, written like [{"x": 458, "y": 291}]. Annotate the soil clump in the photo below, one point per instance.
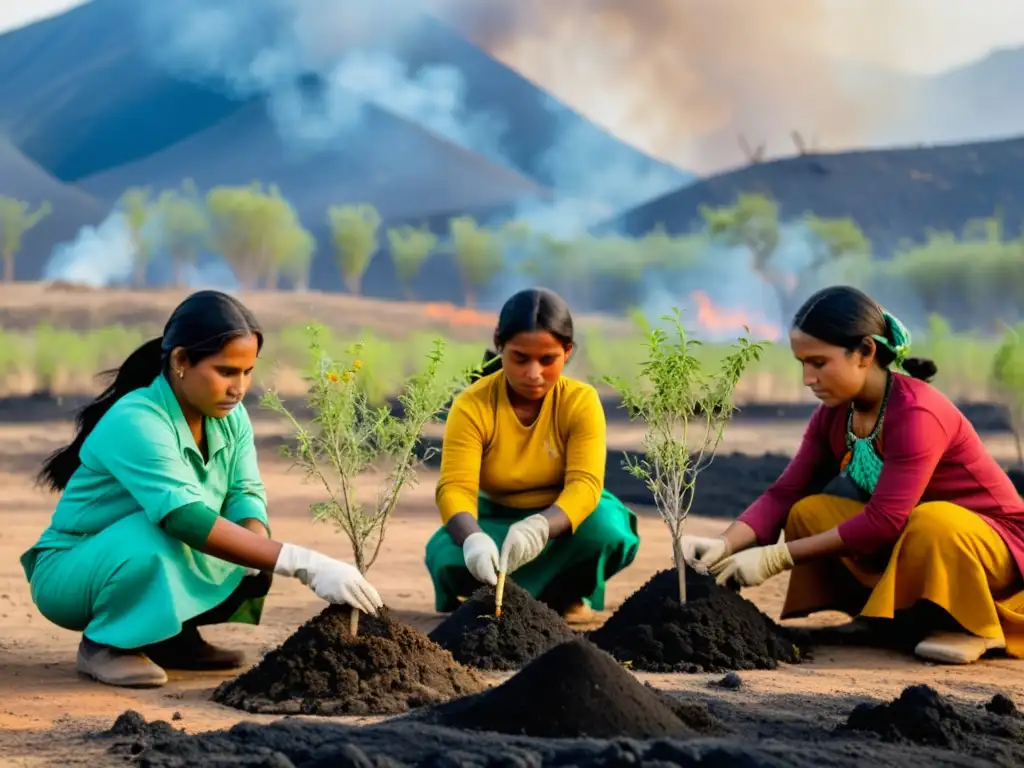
[
  {"x": 716, "y": 630},
  {"x": 389, "y": 668},
  {"x": 527, "y": 628},
  {"x": 920, "y": 715},
  {"x": 576, "y": 690}
]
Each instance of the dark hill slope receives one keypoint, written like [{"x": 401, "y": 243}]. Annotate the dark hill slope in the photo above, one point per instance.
[
  {"x": 22, "y": 179},
  {"x": 79, "y": 95},
  {"x": 893, "y": 194}
]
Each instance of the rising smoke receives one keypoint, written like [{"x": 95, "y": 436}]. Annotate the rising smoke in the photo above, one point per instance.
[
  {"x": 357, "y": 50},
  {"x": 683, "y": 78}
]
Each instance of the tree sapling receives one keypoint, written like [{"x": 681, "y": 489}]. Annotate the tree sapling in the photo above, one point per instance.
[
  {"x": 685, "y": 410},
  {"x": 349, "y": 437}
]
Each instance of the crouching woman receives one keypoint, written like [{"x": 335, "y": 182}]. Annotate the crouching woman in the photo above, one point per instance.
[
  {"x": 522, "y": 468},
  {"x": 892, "y": 502},
  {"x": 162, "y": 524}
]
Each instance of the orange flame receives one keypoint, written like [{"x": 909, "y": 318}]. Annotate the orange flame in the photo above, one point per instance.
[
  {"x": 461, "y": 316},
  {"x": 717, "y": 319}
]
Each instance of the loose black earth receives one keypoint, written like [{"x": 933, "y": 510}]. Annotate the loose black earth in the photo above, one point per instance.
[
  {"x": 716, "y": 630},
  {"x": 527, "y": 628},
  {"x": 576, "y": 690},
  {"x": 389, "y": 668},
  {"x": 770, "y": 732},
  {"x": 921, "y": 716}
]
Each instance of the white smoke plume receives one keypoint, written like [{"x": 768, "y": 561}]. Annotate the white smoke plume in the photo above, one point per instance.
[
  {"x": 100, "y": 256},
  {"x": 355, "y": 49}
]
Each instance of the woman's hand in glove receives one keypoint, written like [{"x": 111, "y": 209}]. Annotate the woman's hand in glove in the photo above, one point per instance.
[
  {"x": 523, "y": 542},
  {"x": 701, "y": 553},
  {"x": 330, "y": 579},
  {"x": 754, "y": 566},
  {"x": 481, "y": 556}
]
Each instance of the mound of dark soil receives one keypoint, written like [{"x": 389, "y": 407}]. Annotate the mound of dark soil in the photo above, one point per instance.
[
  {"x": 527, "y": 628},
  {"x": 717, "y": 630},
  {"x": 574, "y": 690},
  {"x": 388, "y": 668},
  {"x": 921, "y": 716}
]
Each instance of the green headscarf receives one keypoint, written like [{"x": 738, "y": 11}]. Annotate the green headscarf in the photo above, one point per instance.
[{"x": 897, "y": 338}]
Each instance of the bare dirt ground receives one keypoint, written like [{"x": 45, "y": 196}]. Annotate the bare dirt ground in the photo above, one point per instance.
[{"x": 45, "y": 709}]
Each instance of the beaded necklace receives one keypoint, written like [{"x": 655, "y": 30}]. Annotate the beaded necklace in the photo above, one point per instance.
[{"x": 865, "y": 465}]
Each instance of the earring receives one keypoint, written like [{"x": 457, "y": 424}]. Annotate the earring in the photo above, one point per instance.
[{"x": 181, "y": 373}]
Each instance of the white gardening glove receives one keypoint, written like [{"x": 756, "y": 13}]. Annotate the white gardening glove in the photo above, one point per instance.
[
  {"x": 481, "y": 555},
  {"x": 523, "y": 542},
  {"x": 700, "y": 553},
  {"x": 754, "y": 566},
  {"x": 331, "y": 580}
]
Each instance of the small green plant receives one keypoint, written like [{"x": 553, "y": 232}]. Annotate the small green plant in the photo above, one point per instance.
[
  {"x": 1008, "y": 382},
  {"x": 349, "y": 437},
  {"x": 685, "y": 410}
]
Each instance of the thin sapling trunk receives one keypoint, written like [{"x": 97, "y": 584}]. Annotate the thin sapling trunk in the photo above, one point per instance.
[
  {"x": 685, "y": 411},
  {"x": 349, "y": 438}
]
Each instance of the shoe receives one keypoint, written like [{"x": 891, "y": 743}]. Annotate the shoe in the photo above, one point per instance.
[
  {"x": 188, "y": 651},
  {"x": 955, "y": 647},
  {"x": 114, "y": 666},
  {"x": 579, "y": 613}
]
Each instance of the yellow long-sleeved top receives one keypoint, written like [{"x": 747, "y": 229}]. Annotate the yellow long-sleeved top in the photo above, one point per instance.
[{"x": 559, "y": 459}]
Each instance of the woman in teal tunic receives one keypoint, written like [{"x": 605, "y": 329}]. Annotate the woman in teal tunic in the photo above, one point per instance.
[{"x": 162, "y": 522}]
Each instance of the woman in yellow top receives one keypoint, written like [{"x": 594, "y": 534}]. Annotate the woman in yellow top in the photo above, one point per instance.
[{"x": 522, "y": 465}]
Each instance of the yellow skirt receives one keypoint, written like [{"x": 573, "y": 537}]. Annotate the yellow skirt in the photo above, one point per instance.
[{"x": 946, "y": 554}]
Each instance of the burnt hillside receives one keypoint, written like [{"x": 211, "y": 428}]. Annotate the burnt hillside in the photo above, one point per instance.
[{"x": 893, "y": 194}]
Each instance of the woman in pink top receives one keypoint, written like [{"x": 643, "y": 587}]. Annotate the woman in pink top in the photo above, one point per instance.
[{"x": 891, "y": 500}]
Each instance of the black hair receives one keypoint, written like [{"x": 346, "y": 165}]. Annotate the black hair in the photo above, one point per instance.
[
  {"x": 202, "y": 325},
  {"x": 532, "y": 309},
  {"x": 844, "y": 317}
]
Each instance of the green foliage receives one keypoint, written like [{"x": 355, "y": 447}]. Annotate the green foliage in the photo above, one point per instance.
[
  {"x": 136, "y": 204},
  {"x": 410, "y": 248},
  {"x": 349, "y": 437},
  {"x": 184, "y": 225},
  {"x": 354, "y": 233},
  {"x": 259, "y": 234},
  {"x": 477, "y": 253},
  {"x": 685, "y": 410},
  {"x": 16, "y": 219},
  {"x": 752, "y": 222},
  {"x": 1008, "y": 379}
]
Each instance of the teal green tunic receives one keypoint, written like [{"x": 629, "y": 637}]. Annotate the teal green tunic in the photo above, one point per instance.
[
  {"x": 105, "y": 566},
  {"x": 605, "y": 543}
]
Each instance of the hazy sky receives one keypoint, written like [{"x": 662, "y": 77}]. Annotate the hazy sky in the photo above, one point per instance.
[{"x": 941, "y": 33}]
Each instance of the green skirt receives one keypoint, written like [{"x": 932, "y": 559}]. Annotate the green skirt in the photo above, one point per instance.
[
  {"x": 570, "y": 569},
  {"x": 132, "y": 585}
]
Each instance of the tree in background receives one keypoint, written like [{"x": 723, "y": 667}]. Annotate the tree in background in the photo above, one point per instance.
[
  {"x": 1008, "y": 380},
  {"x": 753, "y": 222},
  {"x": 410, "y": 248},
  {"x": 834, "y": 242},
  {"x": 15, "y": 220},
  {"x": 980, "y": 273},
  {"x": 354, "y": 234},
  {"x": 184, "y": 225},
  {"x": 136, "y": 204},
  {"x": 293, "y": 248},
  {"x": 257, "y": 232},
  {"x": 477, "y": 253}
]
